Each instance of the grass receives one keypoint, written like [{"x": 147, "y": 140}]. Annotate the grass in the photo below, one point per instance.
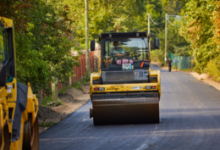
[
  {"x": 45, "y": 101},
  {"x": 57, "y": 103},
  {"x": 48, "y": 101},
  {"x": 63, "y": 90},
  {"x": 47, "y": 124},
  {"x": 77, "y": 85},
  {"x": 86, "y": 79}
]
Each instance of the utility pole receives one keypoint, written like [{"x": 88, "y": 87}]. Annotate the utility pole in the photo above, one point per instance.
[
  {"x": 165, "y": 56},
  {"x": 149, "y": 46},
  {"x": 87, "y": 36}
]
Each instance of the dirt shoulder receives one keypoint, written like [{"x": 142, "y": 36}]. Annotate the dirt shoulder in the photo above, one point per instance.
[
  {"x": 72, "y": 99},
  {"x": 202, "y": 77}
]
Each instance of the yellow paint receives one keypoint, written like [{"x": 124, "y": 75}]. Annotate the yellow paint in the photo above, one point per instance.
[
  {"x": 7, "y": 22},
  {"x": 125, "y": 87}
]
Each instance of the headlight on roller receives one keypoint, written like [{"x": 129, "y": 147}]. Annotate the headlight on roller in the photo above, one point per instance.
[
  {"x": 101, "y": 89},
  {"x": 150, "y": 87}
]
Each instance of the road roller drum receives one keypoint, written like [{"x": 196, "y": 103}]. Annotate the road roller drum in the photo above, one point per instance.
[{"x": 121, "y": 109}]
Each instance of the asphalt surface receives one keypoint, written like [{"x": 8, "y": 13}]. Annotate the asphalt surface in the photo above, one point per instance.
[{"x": 189, "y": 114}]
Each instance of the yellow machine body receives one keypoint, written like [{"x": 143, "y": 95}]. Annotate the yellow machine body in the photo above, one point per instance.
[
  {"x": 125, "y": 87},
  {"x": 8, "y": 106},
  {"x": 117, "y": 95}
]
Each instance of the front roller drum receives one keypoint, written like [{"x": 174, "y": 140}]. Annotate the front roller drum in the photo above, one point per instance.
[
  {"x": 126, "y": 110},
  {"x": 31, "y": 135},
  {"x": 4, "y": 138},
  {"x": 4, "y": 134}
]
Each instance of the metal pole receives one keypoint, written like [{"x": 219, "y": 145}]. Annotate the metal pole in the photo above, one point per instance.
[
  {"x": 87, "y": 36},
  {"x": 149, "y": 46},
  {"x": 165, "y": 56}
]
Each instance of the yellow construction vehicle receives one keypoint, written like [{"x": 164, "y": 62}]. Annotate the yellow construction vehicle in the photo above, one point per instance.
[
  {"x": 125, "y": 89},
  {"x": 18, "y": 105}
]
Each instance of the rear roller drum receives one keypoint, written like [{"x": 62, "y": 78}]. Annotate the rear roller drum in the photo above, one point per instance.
[
  {"x": 96, "y": 122},
  {"x": 31, "y": 135},
  {"x": 140, "y": 110}
]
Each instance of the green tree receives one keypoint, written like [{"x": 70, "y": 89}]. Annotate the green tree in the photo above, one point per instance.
[
  {"x": 43, "y": 41},
  {"x": 198, "y": 29}
]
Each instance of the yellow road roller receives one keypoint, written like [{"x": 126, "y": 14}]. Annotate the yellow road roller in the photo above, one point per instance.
[
  {"x": 125, "y": 89},
  {"x": 18, "y": 105}
]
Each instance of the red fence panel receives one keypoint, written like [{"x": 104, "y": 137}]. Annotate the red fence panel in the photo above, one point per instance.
[
  {"x": 59, "y": 86},
  {"x": 80, "y": 71},
  {"x": 91, "y": 61}
]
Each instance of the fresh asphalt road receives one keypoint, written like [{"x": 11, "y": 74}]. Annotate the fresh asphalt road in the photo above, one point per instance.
[{"x": 190, "y": 120}]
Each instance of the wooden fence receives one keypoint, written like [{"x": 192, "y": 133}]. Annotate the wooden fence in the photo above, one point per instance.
[{"x": 80, "y": 71}]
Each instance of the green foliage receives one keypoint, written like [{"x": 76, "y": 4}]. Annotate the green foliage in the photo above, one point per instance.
[
  {"x": 47, "y": 124},
  {"x": 213, "y": 69},
  {"x": 182, "y": 50},
  {"x": 86, "y": 79},
  {"x": 176, "y": 43},
  {"x": 45, "y": 101},
  {"x": 57, "y": 103},
  {"x": 63, "y": 90},
  {"x": 43, "y": 41},
  {"x": 198, "y": 29},
  {"x": 157, "y": 56},
  {"x": 46, "y": 31},
  {"x": 77, "y": 85},
  {"x": 173, "y": 7},
  {"x": 48, "y": 101}
]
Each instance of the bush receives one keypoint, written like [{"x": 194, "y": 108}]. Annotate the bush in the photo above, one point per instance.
[
  {"x": 47, "y": 124},
  {"x": 213, "y": 69},
  {"x": 86, "y": 79},
  {"x": 62, "y": 90},
  {"x": 45, "y": 101},
  {"x": 157, "y": 56},
  {"x": 48, "y": 101},
  {"x": 58, "y": 103},
  {"x": 77, "y": 85}
]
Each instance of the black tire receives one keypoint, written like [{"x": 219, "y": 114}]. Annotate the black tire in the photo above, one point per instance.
[
  {"x": 5, "y": 134},
  {"x": 31, "y": 135},
  {"x": 6, "y": 138}
]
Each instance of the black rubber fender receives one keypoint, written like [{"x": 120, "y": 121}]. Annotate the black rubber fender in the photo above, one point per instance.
[{"x": 21, "y": 103}]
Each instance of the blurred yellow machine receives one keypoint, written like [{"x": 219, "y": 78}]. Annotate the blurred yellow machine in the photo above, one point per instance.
[
  {"x": 18, "y": 105},
  {"x": 125, "y": 89}
]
